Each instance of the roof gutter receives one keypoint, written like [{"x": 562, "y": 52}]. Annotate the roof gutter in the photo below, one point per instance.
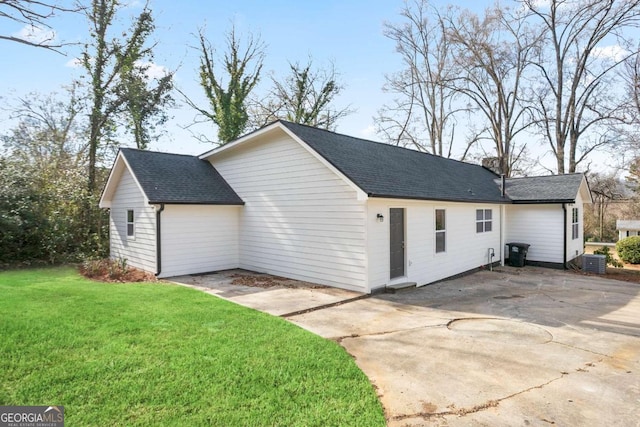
[
  {"x": 159, "y": 240},
  {"x": 158, "y": 202},
  {"x": 435, "y": 199},
  {"x": 542, "y": 201}
]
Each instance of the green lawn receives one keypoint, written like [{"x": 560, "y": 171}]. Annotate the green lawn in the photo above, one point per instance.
[{"x": 158, "y": 354}]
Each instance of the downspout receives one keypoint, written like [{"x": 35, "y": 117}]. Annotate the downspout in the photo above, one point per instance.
[
  {"x": 564, "y": 252},
  {"x": 159, "y": 240},
  {"x": 503, "y": 213}
]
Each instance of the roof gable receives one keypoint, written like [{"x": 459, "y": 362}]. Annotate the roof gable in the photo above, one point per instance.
[
  {"x": 383, "y": 170},
  {"x": 172, "y": 178}
]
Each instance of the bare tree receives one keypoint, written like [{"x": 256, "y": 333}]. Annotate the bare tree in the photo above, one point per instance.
[
  {"x": 51, "y": 131},
  {"x": 305, "y": 96},
  {"x": 576, "y": 71},
  {"x": 628, "y": 131},
  {"x": 425, "y": 98},
  {"x": 34, "y": 15},
  {"x": 228, "y": 102},
  {"x": 493, "y": 54},
  {"x": 605, "y": 189}
]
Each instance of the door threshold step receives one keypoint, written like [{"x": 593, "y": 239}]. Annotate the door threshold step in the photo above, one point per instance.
[{"x": 396, "y": 287}]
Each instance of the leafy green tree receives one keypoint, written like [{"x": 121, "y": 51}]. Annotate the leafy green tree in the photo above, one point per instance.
[
  {"x": 115, "y": 66},
  {"x": 305, "y": 96},
  {"x": 145, "y": 104},
  {"x": 43, "y": 191},
  {"x": 228, "y": 101}
]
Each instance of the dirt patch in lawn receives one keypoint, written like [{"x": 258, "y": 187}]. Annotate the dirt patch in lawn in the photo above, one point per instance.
[
  {"x": 623, "y": 274},
  {"x": 269, "y": 281},
  {"x": 114, "y": 271}
]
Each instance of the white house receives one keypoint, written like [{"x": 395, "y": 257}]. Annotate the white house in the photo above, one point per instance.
[
  {"x": 627, "y": 228},
  {"x": 314, "y": 205}
]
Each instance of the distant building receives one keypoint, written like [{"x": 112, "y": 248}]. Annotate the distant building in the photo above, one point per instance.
[{"x": 627, "y": 228}]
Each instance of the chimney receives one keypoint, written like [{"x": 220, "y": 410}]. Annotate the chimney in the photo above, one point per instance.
[{"x": 503, "y": 184}]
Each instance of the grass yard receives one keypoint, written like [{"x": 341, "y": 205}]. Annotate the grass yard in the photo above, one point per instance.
[{"x": 158, "y": 354}]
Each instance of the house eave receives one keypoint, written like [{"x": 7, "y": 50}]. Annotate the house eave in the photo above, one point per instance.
[
  {"x": 205, "y": 203},
  {"x": 240, "y": 141},
  {"x": 543, "y": 202},
  {"x": 435, "y": 199}
]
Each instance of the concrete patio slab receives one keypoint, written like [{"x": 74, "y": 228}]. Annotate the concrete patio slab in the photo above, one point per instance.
[
  {"x": 525, "y": 346},
  {"x": 274, "y": 295}
]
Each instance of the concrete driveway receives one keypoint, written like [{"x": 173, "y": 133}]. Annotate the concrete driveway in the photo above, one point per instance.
[{"x": 518, "y": 347}]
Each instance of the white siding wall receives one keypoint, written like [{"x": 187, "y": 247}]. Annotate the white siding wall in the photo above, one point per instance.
[
  {"x": 575, "y": 247},
  {"x": 622, "y": 233},
  {"x": 541, "y": 227},
  {"x": 465, "y": 249},
  {"x": 198, "y": 239},
  {"x": 139, "y": 250},
  {"x": 300, "y": 220}
]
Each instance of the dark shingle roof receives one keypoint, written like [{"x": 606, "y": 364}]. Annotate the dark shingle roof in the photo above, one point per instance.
[
  {"x": 179, "y": 179},
  {"x": 544, "y": 189},
  {"x": 383, "y": 170}
]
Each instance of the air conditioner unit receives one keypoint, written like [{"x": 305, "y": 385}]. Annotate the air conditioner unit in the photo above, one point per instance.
[{"x": 594, "y": 264}]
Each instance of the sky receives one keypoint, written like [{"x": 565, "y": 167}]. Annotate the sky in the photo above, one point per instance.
[{"x": 347, "y": 33}]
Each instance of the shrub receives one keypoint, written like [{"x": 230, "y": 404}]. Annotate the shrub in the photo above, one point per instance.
[
  {"x": 114, "y": 270},
  {"x": 629, "y": 249},
  {"x": 610, "y": 259}
]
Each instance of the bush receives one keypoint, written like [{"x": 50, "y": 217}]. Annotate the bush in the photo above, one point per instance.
[
  {"x": 610, "y": 259},
  {"x": 629, "y": 249}
]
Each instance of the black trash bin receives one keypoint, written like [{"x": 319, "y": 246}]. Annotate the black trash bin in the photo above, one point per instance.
[{"x": 518, "y": 254}]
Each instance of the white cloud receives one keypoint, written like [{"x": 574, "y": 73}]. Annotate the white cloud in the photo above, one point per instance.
[
  {"x": 153, "y": 71},
  {"x": 135, "y": 4},
  {"x": 36, "y": 35},
  {"x": 535, "y": 4},
  {"x": 614, "y": 52},
  {"x": 368, "y": 132},
  {"x": 74, "y": 63},
  {"x": 541, "y": 3}
]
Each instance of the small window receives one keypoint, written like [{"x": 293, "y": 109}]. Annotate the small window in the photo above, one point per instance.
[
  {"x": 130, "y": 223},
  {"x": 628, "y": 234},
  {"x": 574, "y": 224},
  {"x": 441, "y": 232},
  {"x": 484, "y": 220}
]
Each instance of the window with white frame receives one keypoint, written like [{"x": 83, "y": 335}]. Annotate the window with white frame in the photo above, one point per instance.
[
  {"x": 130, "y": 223},
  {"x": 484, "y": 220},
  {"x": 574, "y": 224},
  {"x": 441, "y": 230}
]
